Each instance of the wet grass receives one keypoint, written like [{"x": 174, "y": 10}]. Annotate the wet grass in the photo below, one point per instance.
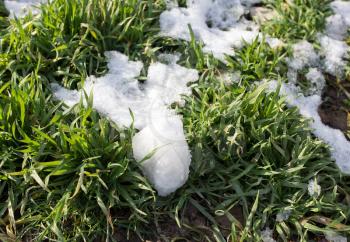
[{"x": 69, "y": 174}]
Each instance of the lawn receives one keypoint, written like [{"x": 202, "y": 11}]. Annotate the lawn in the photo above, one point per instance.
[{"x": 135, "y": 120}]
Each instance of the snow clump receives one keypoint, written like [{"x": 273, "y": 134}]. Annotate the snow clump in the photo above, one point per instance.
[
  {"x": 284, "y": 215},
  {"x": 304, "y": 55},
  {"x": 313, "y": 188},
  {"x": 316, "y": 80},
  {"x": 266, "y": 235},
  {"x": 161, "y": 130}
]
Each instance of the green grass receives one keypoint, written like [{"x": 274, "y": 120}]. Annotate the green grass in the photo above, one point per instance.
[
  {"x": 71, "y": 37},
  {"x": 69, "y": 174},
  {"x": 248, "y": 146},
  {"x": 3, "y": 10},
  {"x": 297, "y": 20},
  {"x": 60, "y": 167}
]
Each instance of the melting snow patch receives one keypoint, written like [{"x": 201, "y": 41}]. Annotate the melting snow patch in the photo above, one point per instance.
[
  {"x": 304, "y": 56},
  {"x": 308, "y": 106},
  {"x": 219, "y": 24},
  {"x": 161, "y": 130},
  {"x": 20, "y": 8}
]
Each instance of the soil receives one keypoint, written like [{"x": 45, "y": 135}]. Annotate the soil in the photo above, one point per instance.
[
  {"x": 333, "y": 111},
  {"x": 195, "y": 226}
]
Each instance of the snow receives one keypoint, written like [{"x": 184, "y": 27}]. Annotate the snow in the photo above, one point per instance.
[
  {"x": 313, "y": 188},
  {"x": 171, "y": 4},
  {"x": 342, "y": 8},
  {"x": 316, "y": 80},
  {"x": 334, "y": 52},
  {"x": 250, "y": 3},
  {"x": 274, "y": 43},
  {"x": 20, "y": 8},
  {"x": 168, "y": 168},
  {"x": 119, "y": 91},
  {"x": 332, "y": 237},
  {"x": 336, "y": 27},
  {"x": 303, "y": 55},
  {"x": 333, "y": 47},
  {"x": 330, "y": 58},
  {"x": 284, "y": 215},
  {"x": 220, "y": 24},
  {"x": 308, "y": 106},
  {"x": 266, "y": 235},
  {"x": 231, "y": 77}
]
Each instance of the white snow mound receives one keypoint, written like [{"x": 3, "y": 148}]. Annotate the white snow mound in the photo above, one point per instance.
[
  {"x": 161, "y": 129},
  {"x": 168, "y": 168}
]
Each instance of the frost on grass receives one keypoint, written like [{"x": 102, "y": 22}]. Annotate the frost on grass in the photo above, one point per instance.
[
  {"x": 161, "y": 138},
  {"x": 314, "y": 188},
  {"x": 20, "y": 8},
  {"x": 308, "y": 107},
  {"x": 219, "y": 24}
]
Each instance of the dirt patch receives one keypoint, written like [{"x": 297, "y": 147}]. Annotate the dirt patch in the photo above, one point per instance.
[
  {"x": 333, "y": 110},
  {"x": 195, "y": 227},
  {"x": 225, "y": 224}
]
